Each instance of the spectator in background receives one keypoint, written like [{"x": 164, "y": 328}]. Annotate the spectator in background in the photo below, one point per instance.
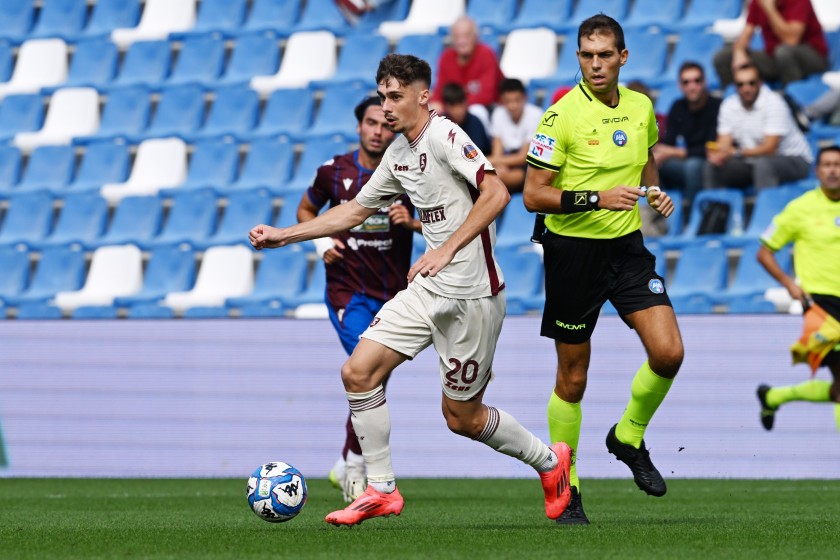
[
  {"x": 692, "y": 122},
  {"x": 455, "y": 109},
  {"x": 641, "y": 87},
  {"x": 758, "y": 142},
  {"x": 794, "y": 42},
  {"x": 512, "y": 125},
  {"x": 470, "y": 64},
  {"x": 825, "y": 108}
]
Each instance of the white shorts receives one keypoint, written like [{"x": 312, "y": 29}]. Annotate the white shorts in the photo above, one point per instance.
[{"x": 463, "y": 331}]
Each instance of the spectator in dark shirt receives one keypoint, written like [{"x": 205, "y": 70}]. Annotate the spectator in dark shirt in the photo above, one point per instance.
[
  {"x": 455, "y": 109},
  {"x": 692, "y": 121}
]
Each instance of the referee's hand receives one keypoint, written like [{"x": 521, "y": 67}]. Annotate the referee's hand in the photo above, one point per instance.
[
  {"x": 620, "y": 198},
  {"x": 660, "y": 201}
]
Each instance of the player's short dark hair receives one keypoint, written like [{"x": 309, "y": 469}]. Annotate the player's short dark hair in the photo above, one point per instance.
[
  {"x": 691, "y": 65},
  {"x": 405, "y": 68},
  {"x": 510, "y": 85},
  {"x": 827, "y": 149},
  {"x": 602, "y": 22},
  {"x": 360, "y": 109},
  {"x": 453, "y": 94}
]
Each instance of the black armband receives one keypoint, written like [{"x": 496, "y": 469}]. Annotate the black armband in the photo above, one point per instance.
[{"x": 578, "y": 201}]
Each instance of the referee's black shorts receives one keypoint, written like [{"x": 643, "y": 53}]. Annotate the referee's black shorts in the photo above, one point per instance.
[{"x": 581, "y": 274}]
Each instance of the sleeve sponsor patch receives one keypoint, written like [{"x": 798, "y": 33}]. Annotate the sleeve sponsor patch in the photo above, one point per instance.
[
  {"x": 542, "y": 147},
  {"x": 469, "y": 151}
]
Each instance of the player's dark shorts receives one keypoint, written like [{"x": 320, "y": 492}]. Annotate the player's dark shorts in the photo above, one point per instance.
[
  {"x": 831, "y": 304},
  {"x": 581, "y": 274}
]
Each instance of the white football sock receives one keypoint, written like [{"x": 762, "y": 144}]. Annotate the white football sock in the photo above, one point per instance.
[
  {"x": 506, "y": 435},
  {"x": 372, "y": 422}
]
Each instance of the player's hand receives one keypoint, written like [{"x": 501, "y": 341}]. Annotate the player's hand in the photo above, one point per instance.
[
  {"x": 336, "y": 253},
  {"x": 400, "y": 215},
  {"x": 620, "y": 198},
  {"x": 430, "y": 263},
  {"x": 797, "y": 293},
  {"x": 660, "y": 201},
  {"x": 266, "y": 237}
]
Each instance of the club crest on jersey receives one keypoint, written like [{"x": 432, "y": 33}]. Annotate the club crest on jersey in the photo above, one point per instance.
[
  {"x": 469, "y": 151},
  {"x": 422, "y": 162},
  {"x": 655, "y": 286},
  {"x": 619, "y": 138}
]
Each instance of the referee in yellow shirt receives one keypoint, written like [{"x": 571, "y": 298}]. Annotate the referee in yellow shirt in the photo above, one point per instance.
[
  {"x": 812, "y": 223},
  {"x": 586, "y": 162}
]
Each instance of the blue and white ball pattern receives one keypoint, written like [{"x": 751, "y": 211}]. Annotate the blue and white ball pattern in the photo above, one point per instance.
[{"x": 276, "y": 492}]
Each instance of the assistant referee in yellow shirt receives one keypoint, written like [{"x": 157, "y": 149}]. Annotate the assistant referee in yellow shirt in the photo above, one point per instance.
[{"x": 586, "y": 162}]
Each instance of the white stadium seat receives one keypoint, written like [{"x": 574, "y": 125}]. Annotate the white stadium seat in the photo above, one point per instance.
[
  {"x": 73, "y": 112},
  {"x": 226, "y": 271},
  {"x": 40, "y": 63},
  {"x": 310, "y": 55},
  {"x": 425, "y": 17},
  {"x": 159, "y": 19},
  {"x": 115, "y": 271},
  {"x": 160, "y": 163},
  {"x": 529, "y": 54}
]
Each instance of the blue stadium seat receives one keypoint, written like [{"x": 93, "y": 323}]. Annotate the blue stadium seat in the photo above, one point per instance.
[
  {"x": 6, "y": 62},
  {"x": 21, "y": 113},
  {"x": 213, "y": 165},
  {"x": 276, "y": 15},
  {"x": 808, "y": 90},
  {"x": 698, "y": 47},
  {"x": 701, "y": 270},
  {"x": 427, "y": 47},
  {"x": 648, "y": 52},
  {"x": 200, "y": 61},
  {"x": 192, "y": 218},
  {"x": 288, "y": 211},
  {"x": 358, "y": 60},
  {"x": 10, "y": 165},
  {"x": 833, "y": 39},
  {"x": 14, "y": 262},
  {"x": 668, "y": 94},
  {"x": 751, "y": 280},
  {"x": 281, "y": 276},
  {"x": 523, "y": 273},
  {"x": 768, "y": 203},
  {"x": 150, "y": 311},
  {"x": 16, "y": 18},
  {"x": 616, "y": 9},
  {"x": 244, "y": 210},
  {"x": 59, "y": 269},
  {"x": 94, "y": 312},
  {"x": 220, "y": 16},
  {"x": 269, "y": 164},
  {"x": 322, "y": 15},
  {"x": 701, "y": 15},
  {"x": 146, "y": 63},
  {"x": 29, "y": 218},
  {"x": 493, "y": 15},
  {"x": 94, "y": 64},
  {"x": 29, "y": 311},
  {"x": 553, "y": 14},
  {"x": 314, "y": 155},
  {"x": 60, "y": 18},
  {"x": 697, "y": 304},
  {"x": 49, "y": 168},
  {"x": 255, "y": 54},
  {"x": 205, "y": 312},
  {"x": 235, "y": 111},
  {"x": 273, "y": 310},
  {"x": 171, "y": 268},
  {"x": 108, "y": 15},
  {"x": 315, "y": 289},
  {"x": 136, "y": 220},
  {"x": 654, "y": 13},
  {"x": 82, "y": 220},
  {"x": 732, "y": 197},
  {"x": 104, "y": 162},
  {"x": 566, "y": 74},
  {"x": 180, "y": 112},
  {"x": 335, "y": 116},
  {"x": 126, "y": 114},
  {"x": 752, "y": 306},
  {"x": 658, "y": 251},
  {"x": 288, "y": 112},
  {"x": 517, "y": 224}
]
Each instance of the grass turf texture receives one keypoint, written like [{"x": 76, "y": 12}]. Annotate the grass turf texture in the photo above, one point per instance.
[{"x": 209, "y": 518}]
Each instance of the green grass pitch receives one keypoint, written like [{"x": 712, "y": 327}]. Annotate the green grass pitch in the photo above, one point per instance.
[{"x": 459, "y": 519}]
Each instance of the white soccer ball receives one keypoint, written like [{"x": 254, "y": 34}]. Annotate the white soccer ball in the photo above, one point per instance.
[{"x": 276, "y": 492}]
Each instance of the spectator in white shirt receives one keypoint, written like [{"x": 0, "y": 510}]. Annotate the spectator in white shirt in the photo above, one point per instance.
[
  {"x": 512, "y": 125},
  {"x": 758, "y": 141}
]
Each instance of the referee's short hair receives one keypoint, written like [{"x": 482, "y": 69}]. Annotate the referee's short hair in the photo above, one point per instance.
[
  {"x": 602, "y": 22},
  {"x": 362, "y": 107},
  {"x": 834, "y": 148}
]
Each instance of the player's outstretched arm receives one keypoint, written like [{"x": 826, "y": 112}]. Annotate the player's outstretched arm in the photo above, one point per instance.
[
  {"x": 334, "y": 220},
  {"x": 490, "y": 203}
]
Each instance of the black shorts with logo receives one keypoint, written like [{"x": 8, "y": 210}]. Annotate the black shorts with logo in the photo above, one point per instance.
[{"x": 581, "y": 274}]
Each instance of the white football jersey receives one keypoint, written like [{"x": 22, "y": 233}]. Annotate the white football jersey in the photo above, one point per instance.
[{"x": 440, "y": 172}]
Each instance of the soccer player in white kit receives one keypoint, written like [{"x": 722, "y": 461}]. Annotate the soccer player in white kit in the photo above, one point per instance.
[{"x": 455, "y": 296}]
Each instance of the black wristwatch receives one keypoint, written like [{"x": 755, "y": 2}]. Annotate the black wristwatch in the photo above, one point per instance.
[{"x": 594, "y": 197}]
